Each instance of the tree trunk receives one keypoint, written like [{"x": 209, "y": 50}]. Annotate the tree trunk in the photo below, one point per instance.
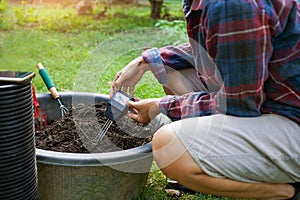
[{"x": 156, "y": 6}]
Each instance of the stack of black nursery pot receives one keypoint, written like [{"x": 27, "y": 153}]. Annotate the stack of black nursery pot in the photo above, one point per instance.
[{"x": 18, "y": 174}]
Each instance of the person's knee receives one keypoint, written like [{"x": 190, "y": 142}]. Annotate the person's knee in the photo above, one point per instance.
[
  {"x": 162, "y": 156},
  {"x": 161, "y": 140},
  {"x": 164, "y": 146},
  {"x": 171, "y": 155}
]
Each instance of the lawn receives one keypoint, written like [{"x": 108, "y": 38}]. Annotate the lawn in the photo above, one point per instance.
[{"x": 83, "y": 54}]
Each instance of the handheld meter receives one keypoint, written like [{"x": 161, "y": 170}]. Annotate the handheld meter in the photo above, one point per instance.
[
  {"x": 117, "y": 105},
  {"x": 115, "y": 109}
]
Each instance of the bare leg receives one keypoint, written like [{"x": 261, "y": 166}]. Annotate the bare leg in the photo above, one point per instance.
[
  {"x": 177, "y": 164},
  {"x": 176, "y": 84},
  {"x": 168, "y": 91},
  {"x": 182, "y": 82}
]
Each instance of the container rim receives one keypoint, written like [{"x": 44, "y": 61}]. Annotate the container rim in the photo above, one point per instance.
[{"x": 94, "y": 159}]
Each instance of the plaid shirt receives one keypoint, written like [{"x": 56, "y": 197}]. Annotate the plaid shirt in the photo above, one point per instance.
[{"x": 247, "y": 52}]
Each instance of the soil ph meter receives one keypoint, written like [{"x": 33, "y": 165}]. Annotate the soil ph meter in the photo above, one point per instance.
[{"x": 115, "y": 109}]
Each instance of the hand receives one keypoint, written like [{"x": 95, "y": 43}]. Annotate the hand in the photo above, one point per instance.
[
  {"x": 145, "y": 110},
  {"x": 128, "y": 77}
]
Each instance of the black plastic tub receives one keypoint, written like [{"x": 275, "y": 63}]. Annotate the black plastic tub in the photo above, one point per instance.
[
  {"x": 113, "y": 175},
  {"x": 18, "y": 174}
]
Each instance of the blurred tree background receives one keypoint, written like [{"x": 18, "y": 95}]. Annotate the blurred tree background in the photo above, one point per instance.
[{"x": 155, "y": 5}]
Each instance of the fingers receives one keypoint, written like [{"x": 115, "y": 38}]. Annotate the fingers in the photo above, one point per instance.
[
  {"x": 124, "y": 89},
  {"x": 131, "y": 89},
  {"x": 117, "y": 85},
  {"x": 132, "y": 109},
  {"x": 142, "y": 110},
  {"x": 121, "y": 85},
  {"x": 134, "y": 114},
  {"x": 126, "y": 79},
  {"x": 114, "y": 85}
]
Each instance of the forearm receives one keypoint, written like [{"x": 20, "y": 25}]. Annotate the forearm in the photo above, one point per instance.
[
  {"x": 167, "y": 58},
  {"x": 141, "y": 64}
]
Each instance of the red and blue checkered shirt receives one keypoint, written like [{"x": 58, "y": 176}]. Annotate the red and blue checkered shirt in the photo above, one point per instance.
[{"x": 247, "y": 52}]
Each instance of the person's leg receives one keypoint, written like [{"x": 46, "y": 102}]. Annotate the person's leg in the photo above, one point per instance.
[
  {"x": 183, "y": 81},
  {"x": 176, "y": 163}
]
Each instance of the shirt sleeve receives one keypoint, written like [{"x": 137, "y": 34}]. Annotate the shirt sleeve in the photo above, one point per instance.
[
  {"x": 163, "y": 59},
  {"x": 235, "y": 35}
]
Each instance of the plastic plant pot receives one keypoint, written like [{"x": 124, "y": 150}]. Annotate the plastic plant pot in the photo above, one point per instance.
[
  {"x": 18, "y": 174},
  {"x": 113, "y": 175}
]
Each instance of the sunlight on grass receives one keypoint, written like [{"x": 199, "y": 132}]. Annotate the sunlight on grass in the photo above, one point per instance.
[{"x": 61, "y": 55}]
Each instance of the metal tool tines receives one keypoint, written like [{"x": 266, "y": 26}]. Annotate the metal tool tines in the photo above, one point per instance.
[
  {"x": 104, "y": 129},
  {"x": 63, "y": 109}
]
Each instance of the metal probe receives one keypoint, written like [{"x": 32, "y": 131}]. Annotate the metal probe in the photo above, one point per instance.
[{"x": 115, "y": 109}]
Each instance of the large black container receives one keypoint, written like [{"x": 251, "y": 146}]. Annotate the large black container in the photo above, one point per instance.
[{"x": 18, "y": 174}]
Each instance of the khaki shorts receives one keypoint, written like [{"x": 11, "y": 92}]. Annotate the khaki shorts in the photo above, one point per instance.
[{"x": 260, "y": 149}]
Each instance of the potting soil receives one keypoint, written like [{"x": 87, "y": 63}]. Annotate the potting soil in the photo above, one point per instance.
[{"x": 77, "y": 132}]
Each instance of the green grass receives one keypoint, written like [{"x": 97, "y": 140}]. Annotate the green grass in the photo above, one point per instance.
[
  {"x": 82, "y": 54},
  {"x": 155, "y": 189}
]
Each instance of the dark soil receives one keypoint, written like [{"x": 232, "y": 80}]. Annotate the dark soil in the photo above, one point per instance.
[{"x": 77, "y": 132}]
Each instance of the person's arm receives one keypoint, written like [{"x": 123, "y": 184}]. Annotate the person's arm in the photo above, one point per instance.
[
  {"x": 126, "y": 79},
  {"x": 159, "y": 61},
  {"x": 170, "y": 57},
  {"x": 237, "y": 38}
]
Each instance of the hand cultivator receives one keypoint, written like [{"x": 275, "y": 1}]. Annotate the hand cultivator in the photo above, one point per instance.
[{"x": 51, "y": 87}]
